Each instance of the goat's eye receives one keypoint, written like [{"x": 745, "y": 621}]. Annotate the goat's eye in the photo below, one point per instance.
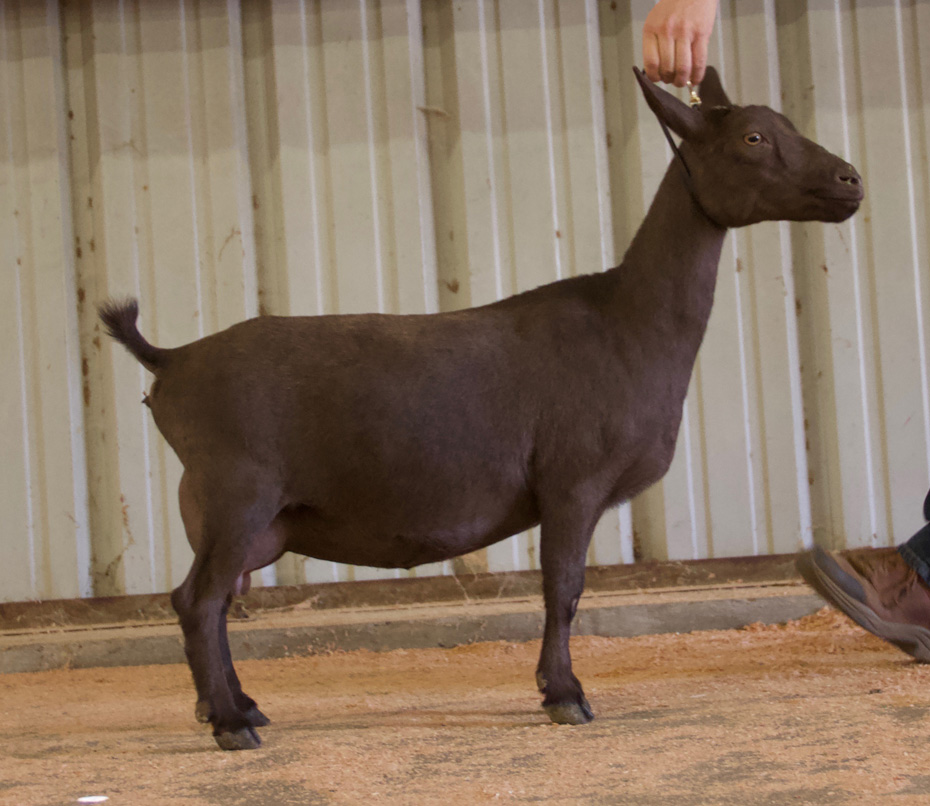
[{"x": 753, "y": 138}]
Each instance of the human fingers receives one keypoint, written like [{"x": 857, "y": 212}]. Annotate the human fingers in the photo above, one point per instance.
[
  {"x": 666, "y": 58},
  {"x": 698, "y": 59},
  {"x": 682, "y": 65},
  {"x": 651, "y": 56}
]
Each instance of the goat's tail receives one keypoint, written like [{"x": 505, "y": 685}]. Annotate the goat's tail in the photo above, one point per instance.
[{"x": 120, "y": 320}]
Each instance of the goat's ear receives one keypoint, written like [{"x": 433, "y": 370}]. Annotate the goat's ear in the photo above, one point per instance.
[
  {"x": 712, "y": 93},
  {"x": 682, "y": 119}
]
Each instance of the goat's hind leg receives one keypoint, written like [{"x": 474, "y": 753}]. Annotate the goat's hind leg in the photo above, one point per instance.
[
  {"x": 264, "y": 549},
  {"x": 243, "y": 701},
  {"x": 192, "y": 516},
  {"x": 232, "y": 515},
  {"x": 200, "y": 603}
]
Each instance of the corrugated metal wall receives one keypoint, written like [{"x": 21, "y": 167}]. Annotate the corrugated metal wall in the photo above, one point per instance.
[{"x": 224, "y": 159}]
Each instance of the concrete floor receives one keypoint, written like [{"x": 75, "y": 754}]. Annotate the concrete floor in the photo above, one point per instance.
[
  {"x": 816, "y": 712},
  {"x": 306, "y": 629}
]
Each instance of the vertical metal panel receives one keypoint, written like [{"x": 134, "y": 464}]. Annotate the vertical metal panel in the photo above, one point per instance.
[
  {"x": 44, "y": 486},
  {"x": 749, "y": 371},
  {"x": 222, "y": 159}
]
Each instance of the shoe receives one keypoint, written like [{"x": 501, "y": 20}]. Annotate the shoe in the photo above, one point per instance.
[{"x": 878, "y": 590}]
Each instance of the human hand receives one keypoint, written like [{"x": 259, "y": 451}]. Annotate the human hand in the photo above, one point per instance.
[{"x": 675, "y": 40}]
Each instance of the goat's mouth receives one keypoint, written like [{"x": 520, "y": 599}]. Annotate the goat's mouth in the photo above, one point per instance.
[
  {"x": 854, "y": 194},
  {"x": 856, "y": 200},
  {"x": 836, "y": 204}
]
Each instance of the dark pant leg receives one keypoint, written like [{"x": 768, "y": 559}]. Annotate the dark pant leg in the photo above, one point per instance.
[{"x": 916, "y": 551}]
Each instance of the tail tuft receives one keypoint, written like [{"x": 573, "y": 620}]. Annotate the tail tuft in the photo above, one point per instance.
[{"x": 119, "y": 317}]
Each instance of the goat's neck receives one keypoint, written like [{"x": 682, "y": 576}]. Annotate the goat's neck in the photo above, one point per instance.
[{"x": 665, "y": 285}]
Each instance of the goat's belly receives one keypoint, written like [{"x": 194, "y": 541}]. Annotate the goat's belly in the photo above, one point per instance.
[{"x": 369, "y": 543}]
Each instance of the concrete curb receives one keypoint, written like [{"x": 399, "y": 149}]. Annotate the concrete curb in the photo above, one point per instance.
[{"x": 305, "y": 631}]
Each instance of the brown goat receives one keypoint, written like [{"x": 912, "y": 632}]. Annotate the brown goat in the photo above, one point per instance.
[{"x": 392, "y": 441}]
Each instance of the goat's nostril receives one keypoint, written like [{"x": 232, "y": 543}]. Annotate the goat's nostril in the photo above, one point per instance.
[{"x": 849, "y": 176}]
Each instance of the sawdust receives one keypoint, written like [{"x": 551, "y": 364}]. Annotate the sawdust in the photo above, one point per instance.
[{"x": 815, "y": 712}]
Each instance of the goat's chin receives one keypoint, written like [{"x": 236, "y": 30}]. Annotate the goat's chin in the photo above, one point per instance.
[
  {"x": 840, "y": 211},
  {"x": 813, "y": 208},
  {"x": 833, "y": 211}
]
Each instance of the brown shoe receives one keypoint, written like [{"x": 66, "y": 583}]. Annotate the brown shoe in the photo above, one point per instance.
[{"x": 878, "y": 590}]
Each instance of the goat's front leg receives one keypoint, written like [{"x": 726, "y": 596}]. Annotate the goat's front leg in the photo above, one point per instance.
[{"x": 565, "y": 535}]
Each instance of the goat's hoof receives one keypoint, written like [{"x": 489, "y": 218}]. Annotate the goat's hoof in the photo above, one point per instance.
[
  {"x": 202, "y": 711},
  {"x": 570, "y": 713},
  {"x": 256, "y": 718},
  {"x": 242, "y": 739}
]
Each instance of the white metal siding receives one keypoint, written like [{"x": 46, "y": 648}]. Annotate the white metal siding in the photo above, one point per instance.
[{"x": 220, "y": 160}]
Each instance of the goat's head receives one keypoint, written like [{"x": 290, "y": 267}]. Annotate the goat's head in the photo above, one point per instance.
[{"x": 749, "y": 163}]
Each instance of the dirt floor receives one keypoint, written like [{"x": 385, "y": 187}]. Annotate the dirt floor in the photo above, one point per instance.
[{"x": 815, "y": 712}]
